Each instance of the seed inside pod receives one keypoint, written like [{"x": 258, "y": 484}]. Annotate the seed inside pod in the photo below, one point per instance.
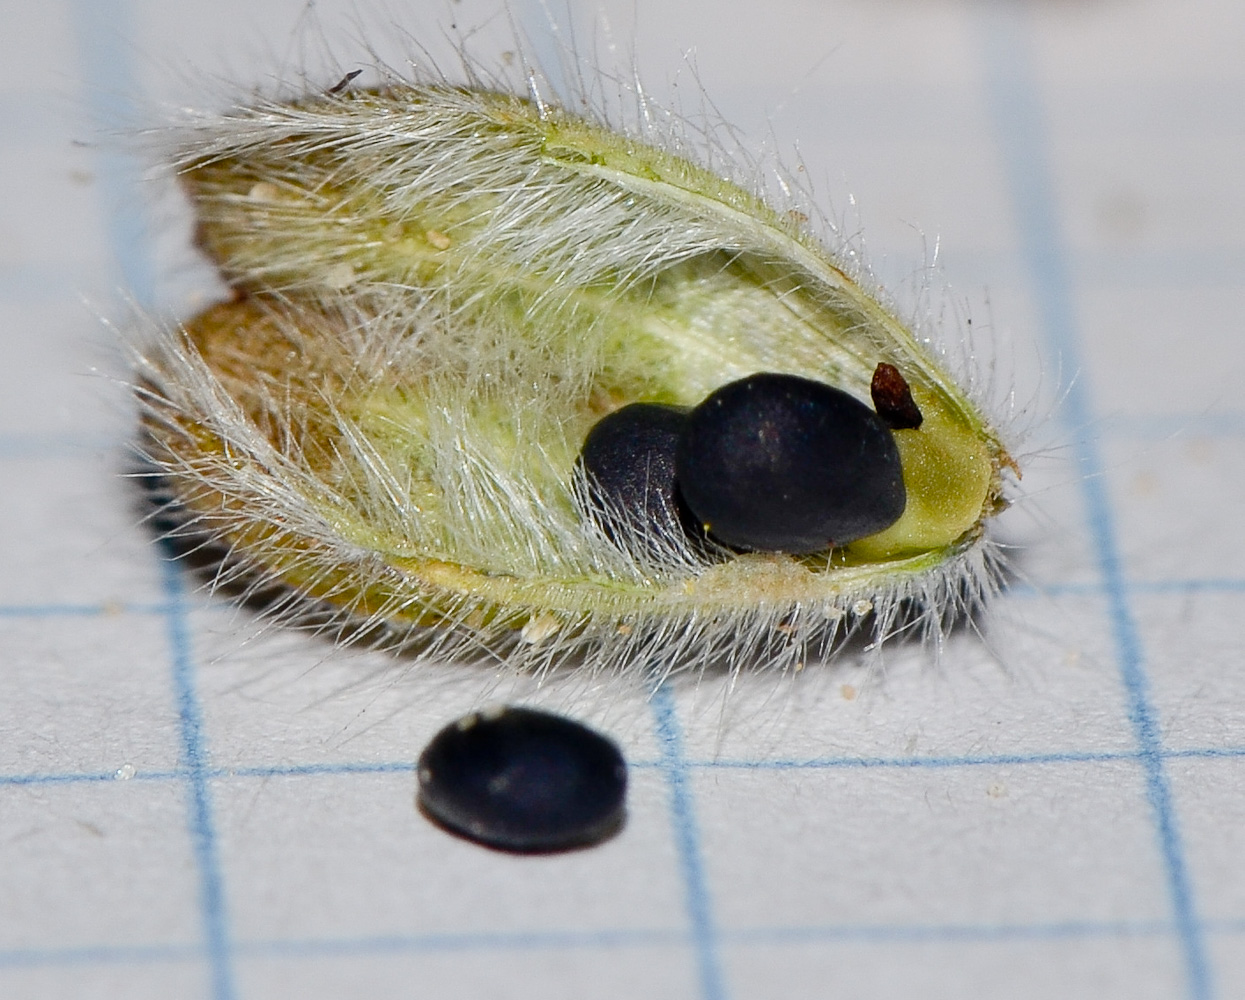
[
  {"x": 628, "y": 464},
  {"x": 787, "y": 464},
  {"x": 523, "y": 780},
  {"x": 431, "y": 283}
]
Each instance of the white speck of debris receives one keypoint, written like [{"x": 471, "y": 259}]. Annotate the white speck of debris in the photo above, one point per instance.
[
  {"x": 263, "y": 191},
  {"x": 540, "y": 628},
  {"x": 339, "y": 276}
]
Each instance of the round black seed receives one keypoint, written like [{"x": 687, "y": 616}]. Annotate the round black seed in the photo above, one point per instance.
[
  {"x": 779, "y": 463},
  {"x": 628, "y": 464},
  {"x": 523, "y": 780}
]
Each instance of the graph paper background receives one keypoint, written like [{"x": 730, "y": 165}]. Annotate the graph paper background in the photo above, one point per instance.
[{"x": 189, "y": 808}]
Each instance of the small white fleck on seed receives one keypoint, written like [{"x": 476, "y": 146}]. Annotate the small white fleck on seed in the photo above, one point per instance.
[
  {"x": 339, "y": 276},
  {"x": 263, "y": 191},
  {"x": 438, "y": 239}
]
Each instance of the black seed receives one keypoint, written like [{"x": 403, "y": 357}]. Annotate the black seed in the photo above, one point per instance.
[
  {"x": 892, "y": 398},
  {"x": 778, "y": 463},
  {"x": 628, "y": 461},
  {"x": 523, "y": 780}
]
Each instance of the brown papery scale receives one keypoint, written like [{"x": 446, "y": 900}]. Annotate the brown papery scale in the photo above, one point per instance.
[{"x": 893, "y": 399}]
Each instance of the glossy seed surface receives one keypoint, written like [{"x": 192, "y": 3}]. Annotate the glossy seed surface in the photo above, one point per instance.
[
  {"x": 523, "y": 780},
  {"x": 628, "y": 461},
  {"x": 780, "y": 463}
]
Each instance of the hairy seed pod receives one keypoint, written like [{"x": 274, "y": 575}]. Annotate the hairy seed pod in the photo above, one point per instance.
[{"x": 439, "y": 292}]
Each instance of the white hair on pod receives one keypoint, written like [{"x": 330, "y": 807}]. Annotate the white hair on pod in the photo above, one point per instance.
[{"x": 439, "y": 285}]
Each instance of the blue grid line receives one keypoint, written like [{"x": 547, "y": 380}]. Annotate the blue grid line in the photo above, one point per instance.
[
  {"x": 754, "y": 936},
  {"x": 1171, "y": 586},
  {"x": 984, "y": 933},
  {"x": 574, "y": 940},
  {"x": 1210, "y": 422},
  {"x": 87, "y": 777},
  {"x": 84, "y": 610},
  {"x": 1177, "y": 585},
  {"x": 1193, "y": 269},
  {"x": 983, "y": 760},
  {"x": 683, "y": 818},
  {"x": 109, "y": 88},
  {"x": 1216, "y": 268},
  {"x": 932, "y": 762},
  {"x": 101, "y": 27},
  {"x": 468, "y": 941},
  {"x": 1012, "y": 95},
  {"x": 202, "y": 827},
  {"x": 18, "y": 958},
  {"x": 210, "y": 773},
  {"x": 1191, "y": 586},
  {"x": 689, "y": 764},
  {"x": 336, "y": 947}
]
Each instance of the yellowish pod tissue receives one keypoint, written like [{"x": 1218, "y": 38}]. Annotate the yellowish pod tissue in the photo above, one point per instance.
[{"x": 438, "y": 290}]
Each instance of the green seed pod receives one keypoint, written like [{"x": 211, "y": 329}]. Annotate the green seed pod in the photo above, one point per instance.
[{"x": 440, "y": 291}]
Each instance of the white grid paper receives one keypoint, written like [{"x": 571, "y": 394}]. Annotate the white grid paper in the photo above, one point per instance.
[{"x": 188, "y": 809}]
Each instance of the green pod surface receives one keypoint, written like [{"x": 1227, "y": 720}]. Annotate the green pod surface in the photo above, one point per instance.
[{"x": 439, "y": 291}]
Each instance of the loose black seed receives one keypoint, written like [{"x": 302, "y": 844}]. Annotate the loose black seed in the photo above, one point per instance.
[
  {"x": 523, "y": 780},
  {"x": 779, "y": 463},
  {"x": 628, "y": 462},
  {"x": 892, "y": 398}
]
